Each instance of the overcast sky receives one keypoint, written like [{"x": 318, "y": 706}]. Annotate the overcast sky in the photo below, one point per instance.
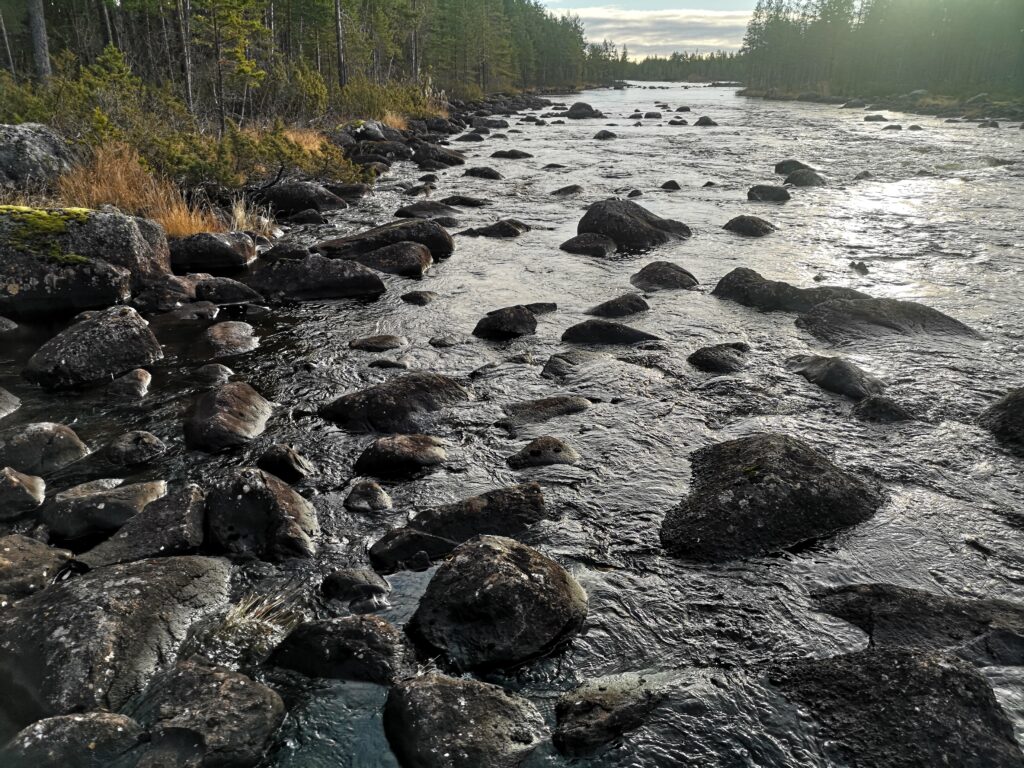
[{"x": 650, "y": 27}]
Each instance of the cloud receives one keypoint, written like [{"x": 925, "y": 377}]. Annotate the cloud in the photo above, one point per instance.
[{"x": 660, "y": 32}]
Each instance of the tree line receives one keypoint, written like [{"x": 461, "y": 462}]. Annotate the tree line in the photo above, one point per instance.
[{"x": 882, "y": 47}]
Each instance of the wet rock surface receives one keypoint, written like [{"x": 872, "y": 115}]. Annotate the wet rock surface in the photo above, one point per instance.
[
  {"x": 38, "y": 449},
  {"x": 720, "y": 358},
  {"x": 91, "y": 740},
  {"x": 663, "y": 276},
  {"x": 630, "y": 226},
  {"x": 507, "y": 323},
  {"x": 1005, "y": 419},
  {"x": 19, "y": 493},
  {"x": 747, "y": 287},
  {"x": 216, "y": 253},
  {"x": 397, "y": 456},
  {"x": 602, "y": 710},
  {"x": 605, "y": 332},
  {"x": 97, "y": 507},
  {"x": 839, "y": 319},
  {"x": 316, "y": 277},
  {"x": 395, "y": 405},
  {"x": 27, "y": 565},
  {"x": 622, "y": 306},
  {"x": 836, "y": 374},
  {"x": 227, "y": 416}
]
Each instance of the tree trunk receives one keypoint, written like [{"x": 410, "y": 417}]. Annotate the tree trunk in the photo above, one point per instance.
[
  {"x": 105, "y": 14},
  {"x": 340, "y": 32},
  {"x": 40, "y": 45},
  {"x": 7, "y": 45},
  {"x": 185, "y": 26}
]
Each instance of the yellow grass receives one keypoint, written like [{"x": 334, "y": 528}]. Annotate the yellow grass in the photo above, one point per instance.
[
  {"x": 395, "y": 120},
  {"x": 308, "y": 139},
  {"x": 247, "y": 217}
]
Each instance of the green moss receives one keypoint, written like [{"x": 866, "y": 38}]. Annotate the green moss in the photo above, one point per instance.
[
  {"x": 70, "y": 258},
  {"x": 37, "y": 231}
]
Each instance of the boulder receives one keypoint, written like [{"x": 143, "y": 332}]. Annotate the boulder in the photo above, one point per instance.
[
  {"x": 41, "y": 286},
  {"x": 663, "y": 276},
  {"x": 382, "y": 343},
  {"x": 622, "y": 306},
  {"x": 309, "y": 216},
  {"x": 437, "y": 155},
  {"x": 511, "y": 154},
  {"x": 32, "y": 155},
  {"x": 875, "y": 119},
  {"x": 541, "y": 410},
  {"x": 602, "y": 710},
  {"x": 133, "y": 449},
  {"x": 291, "y": 197},
  {"x": 768, "y": 193},
  {"x": 605, "y": 136},
  {"x": 543, "y": 451},
  {"x": 422, "y": 231},
  {"x": 671, "y": 186},
  {"x": 762, "y": 494},
  {"x": 101, "y": 506},
  {"x": 705, "y": 122},
  {"x": 836, "y": 374},
  {"x": 418, "y": 298},
  {"x": 582, "y": 111},
  {"x": 503, "y": 228},
  {"x": 496, "y": 603},
  {"x": 786, "y": 167},
  {"x": 367, "y": 496},
  {"x": 27, "y": 565},
  {"x": 465, "y": 201},
  {"x": 572, "y": 189},
  {"x": 435, "y": 721},
  {"x": 88, "y": 740},
  {"x": 484, "y": 173},
  {"x": 133, "y": 385},
  {"x": 40, "y": 448},
  {"x": 590, "y": 244},
  {"x": 880, "y": 408},
  {"x": 99, "y": 347},
  {"x": 227, "y": 416},
  {"x": 398, "y": 456},
  {"x": 362, "y": 590},
  {"x": 94, "y": 641},
  {"x": 19, "y": 493},
  {"x": 285, "y": 462},
  {"x": 394, "y": 405},
  {"x": 630, "y": 226},
  {"x": 364, "y": 648},
  {"x": 501, "y": 512},
  {"x": 839, "y": 319},
  {"x": 805, "y": 178},
  {"x": 507, "y": 323},
  {"x": 605, "y": 332},
  {"x": 747, "y": 287},
  {"x": 1005, "y": 419},
  {"x": 426, "y": 209},
  {"x": 720, "y": 358},
  {"x": 409, "y": 549},
  {"x": 224, "y": 290},
  {"x": 251, "y": 513},
  {"x": 901, "y": 708},
  {"x": 316, "y": 277},
  {"x": 229, "y": 338},
  {"x": 212, "y": 252},
  {"x": 749, "y": 226}
]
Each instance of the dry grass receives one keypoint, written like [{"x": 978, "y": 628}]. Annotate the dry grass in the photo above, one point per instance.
[
  {"x": 115, "y": 176},
  {"x": 307, "y": 138},
  {"x": 247, "y": 217},
  {"x": 395, "y": 120}
]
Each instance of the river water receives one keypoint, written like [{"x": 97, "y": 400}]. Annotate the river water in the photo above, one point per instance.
[{"x": 940, "y": 222}]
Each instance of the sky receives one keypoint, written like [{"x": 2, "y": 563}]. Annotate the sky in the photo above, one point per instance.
[{"x": 649, "y": 27}]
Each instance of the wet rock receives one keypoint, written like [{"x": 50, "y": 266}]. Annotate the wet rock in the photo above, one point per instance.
[
  {"x": 434, "y": 154},
  {"x": 252, "y": 513},
  {"x": 381, "y": 343},
  {"x": 747, "y": 287},
  {"x": 398, "y": 456},
  {"x": 213, "y": 252},
  {"x": 291, "y": 197},
  {"x": 622, "y": 306},
  {"x": 471, "y": 136},
  {"x": 224, "y": 290},
  {"x": 900, "y": 708},
  {"x": 590, "y": 244},
  {"x": 102, "y": 346},
  {"x": 720, "y": 358},
  {"x": 572, "y": 189},
  {"x": 652, "y": 115},
  {"x": 839, "y": 319},
  {"x": 230, "y": 338},
  {"x": 27, "y": 565},
  {"x": 541, "y": 410},
  {"x": 227, "y": 416},
  {"x": 1005, "y": 419},
  {"x": 366, "y": 648},
  {"x": 32, "y": 155},
  {"x": 601, "y": 711},
  {"x": 671, "y": 186},
  {"x": 630, "y": 226},
  {"x": 503, "y": 228},
  {"x": 484, "y": 173},
  {"x": 635, "y": 193},
  {"x": 363, "y": 590},
  {"x": 786, "y": 167},
  {"x": 394, "y": 405},
  {"x": 435, "y": 721},
  {"x": 875, "y": 119},
  {"x": 19, "y": 493},
  {"x": 893, "y": 128},
  {"x": 40, "y": 287},
  {"x": 705, "y": 122},
  {"x": 230, "y": 718},
  {"x": 544, "y": 451},
  {"x": 286, "y": 250},
  {"x": 496, "y": 603},
  {"x": 423, "y": 231},
  {"x": 511, "y": 154},
  {"x": 94, "y": 641},
  {"x": 988, "y": 124},
  {"x": 864, "y": 175},
  {"x": 405, "y": 259},
  {"x": 768, "y": 193},
  {"x": 805, "y": 178},
  {"x": 836, "y": 374},
  {"x": 133, "y": 449},
  {"x": 213, "y": 373},
  {"x": 605, "y": 135},
  {"x": 507, "y": 323},
  {"x": 89, "y": 740},
  {"x": 316, "y": 277},
  {"x": 367, "y": 496},
  {"x": 426, "y": 209},
  {"x": 501, "y": 512},
  {"x": 133, "y": 385},
  {"x": 285, "y": 462},
  {"x": 762, "y": 494},
  {"x": 880, "y": 408},
  {"x": 605, "y": 332},
  {"x": 419, "y": 298},
  {"x": 100, "y": 506},
  {"x": 663, "y": 276},
  {"x": 171, "y": 525},
  {"x": 40, "y": 448},
  {"x": 465, "y": 201},
  {"x": 409, "y": 549},
  {"x": 308, "y": 216},
  {"x": 749, "y": 226},
  {"x": 582, "y": 111},
  {"x": 8, "y": 403}
]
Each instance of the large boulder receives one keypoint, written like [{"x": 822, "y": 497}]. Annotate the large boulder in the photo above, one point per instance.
[
  {"x": 32, "y": 155},
  {"x": 101, "y": 506},
  {"x": 630, "y": 226},
  {"x": 316, "y": 277},
  {"x": 394, "y": 405},
  {"x": 496, "y": 603},
  {"x": 398, "y": 456},
  {"x": 582, "y": 111},
  {"x": 435, "y": 721},
  {"x": 94, "y": 641},
  {"x": 749, "y": 288},
  {"x": 762, "y": 494},
  {"x": 836, "y": 374},
  {"x": 293, "y": 197},
  {"x": 33, "y": 285},
  {"x": 605, "y": 332},
  {"x": 88, "y": 740},
  {"x": 213, "y": 252},
  {"x": 840, "y": 319},
  {"x": 422, "y": 231},
  {"x": 98, "y": 348},
  {"x": 435, "y": 155},
  {"x": 40, "y": 448},
  {"x": 227, "y": 416},
  {"x": 1005, "y": 419}
]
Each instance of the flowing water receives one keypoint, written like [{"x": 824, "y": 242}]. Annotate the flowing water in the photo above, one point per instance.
[{"x": 940, "y": 223}]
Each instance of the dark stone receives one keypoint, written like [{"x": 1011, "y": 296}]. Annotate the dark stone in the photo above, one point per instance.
[
  {"x": 601, "y": 711},
  {"x": 542, "y": 452},
  {"x": 836, "y": 374},
  {"x": 134, "y": 449},
  {"x": 425, "y": 721},
  {"x": 285, "y": 462},
  {"x": 747, "y": 287},
  {"x": 365, "y": 648},
  {"x": 102, "y": 346},
  {"x": 671, "y": 186},
  {"x": 572, "y": 189},
  {"x": 622, "y": 306},
  {"x": 133, "y": 385},
  {"x": 286, "y": 250},
  {"x": 227, "y": 416},
  {"x": 399, "y": 456},
  {"x": 213, "y": 373},
  {"x": 529, "y": 605},
  {"x": 422, "y": 231},
  {"x": 544, "y": 409},
  {"x": 749, "y": 226},
  {"x": 101, "y": 506},
  {"x": 41, "y": 448},
  {"x": 875, "y": 119},
  {"x": 507, "y": 323},
  {"x": 762, "y": 494},
  {"x": 394, "y": 405},
  {"x": 805, "y": 178},
  {"x": 308, "y": 216},
  {"x": 786, "y": 167},
  {"x": 663, "y": 275},
  {"x": 484, "y": 173},
  {"x": 437, "y": 155},
  {"x": 590, "y": 244},
  {"x": 472, "y": 136},
  {"x": 43, "y": 287},
  {"x": 705, "y": 122},
  {"x": 316, "y": 277},
  {"x": 511, "y": 154},
  {"x": 426, "y": 209},
  {"x": 229, "y": 338},
  {"x": 630, "y": 226},
  {"x": 652, "y": 115},
  {"x": 605, "y": 332},
  {"x": 252, "y": 513},
  {"x": 27, "y": 565},
  {"x": 582, "y": 111},
  {"x": 406, "y": 259},
  {"x": 1005, "y": 419},
  {"x": 19, "y": 493},
  {"x": 408, "y": 549},
  {"x": 465, "y": 201},
  {"x": 881, "y": 409},
  {"x": 291, "y": 197},
  {"x": 504, "y": 228},
  {"x": 224, "y": 290},
  {"x": 839, "y": 319},
  {"x": 542, "y": 307},
  {"x": 88, "y": 740},
  {"x": 901, "y": 709},
  {"x": 768, "y": 193},
  {"x": 33, "y": 155},
  {"x": 363, "y": 590},
  {"x": 367, "y": 496},
  {"x": 720, "y": 358},
  {"x": 213, "y": 252},
  {"x": 501, "y": 512},
  {"x": 893, "y": 128},
  {"x": 419, "y": 298},
  {"x": 605, "y": 135},
  {"x": 381, "y": 343}
]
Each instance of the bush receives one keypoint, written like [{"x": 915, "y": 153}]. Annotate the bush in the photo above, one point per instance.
[{"x": 364, "y": 98}]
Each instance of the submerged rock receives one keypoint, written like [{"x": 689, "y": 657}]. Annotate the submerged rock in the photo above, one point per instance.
[
  {"x": 720, "y": 358},
  {"x": 511, "y": 154},
  {"x": 426, "y": 209},
  {"x": 768, "y": 193},
  {"x": 605, "y": 332},
  {"x": 101, "y": 506},
  {"x": 541, "y": 410},
  {"x": 364, "y": 591},
  {"x": 881, "y": 409},
  {"x": 705, "y": 122},
  {"x": 836, "y": 374},
  {"x": 19, "y": 493},
  {"x": 622, "y": 306},
  {"x": 749, "y": 226},
  {"x": 27, "y": 565},
  {"x": 382, "y": 343},
  {"x": 316, "y": 277},
  {"x": 226, "y": 416},
  {"x": 503, "y": 228},
  {"x": 1005, "y": 419},
  {"x": 408, "y": 549},
  {"x": 761, "y": 494},
  {"x": 133, "y": 385},
  {"x": 630, "y": 226},
  {"x": 484, "y": 173},
  {"x": 285, "y": 462},
  {"x": 572, "y": 189},
  {"x": 501, "y": 512},
  {"x": 435, "y": 721},
  {"x": 213, "y": 252},
  {"x": 839, "y": 319},
  {"x": 786, "y": 167},
  {"x": 590, "y": 244},
  {"x": 605, "y": 136},
  {"x": 543, "y": 451},
  {"x": 496, "y": 603},
  {"x": 8, "y": 403},
  {"x": 87, "y": 740},
  {"x": 600, "y": 711},
  {"x": 397, "y": 456},
  {"x": 805, "y": 177},
  {"x": 418, "y": 298},
  {"x": 230, "y": 338},
  {"x": 747, "y": 287},
  {"x": 582, "y": 111},
  {"x": 507, "y": 323},
  {"x": 394, "y": 405},
  {"x": 224, "y": 290},
  {"x": 41, "y": 448},
  {"x": 661, "y": 276}
]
